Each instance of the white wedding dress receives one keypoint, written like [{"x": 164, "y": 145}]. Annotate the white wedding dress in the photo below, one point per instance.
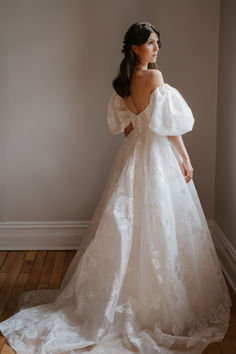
[{"x": 146, "y": 278}]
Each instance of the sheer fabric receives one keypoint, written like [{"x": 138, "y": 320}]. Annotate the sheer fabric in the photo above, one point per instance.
[{"x": 146, "y": 278}]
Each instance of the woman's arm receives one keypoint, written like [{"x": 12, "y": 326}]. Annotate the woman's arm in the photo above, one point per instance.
[
  {"x": 178, "y": 143},
  {"x": 128, "y": 129}
]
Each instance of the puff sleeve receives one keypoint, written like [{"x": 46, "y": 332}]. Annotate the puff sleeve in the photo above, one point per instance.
[
  {"x": 117, "y": 115},
  {"x": 170, "y": 114}
]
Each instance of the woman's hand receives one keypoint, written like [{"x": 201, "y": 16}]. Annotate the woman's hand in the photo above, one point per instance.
[
  {"x": 128, "y": 129},
  {"x": 187, "y": 169}
]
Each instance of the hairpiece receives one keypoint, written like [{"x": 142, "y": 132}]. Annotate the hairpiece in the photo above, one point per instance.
[{"x": 126, "y": 46}]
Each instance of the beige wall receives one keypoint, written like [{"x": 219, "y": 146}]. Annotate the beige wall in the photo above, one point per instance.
[
  {"x": 225, "y": 192},
  {"x": 57, "y": 62}
]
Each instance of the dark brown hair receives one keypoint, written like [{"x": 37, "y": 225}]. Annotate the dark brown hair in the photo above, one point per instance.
[{"x": 137, "y": 34}]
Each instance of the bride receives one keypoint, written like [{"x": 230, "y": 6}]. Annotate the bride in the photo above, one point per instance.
[{"x": 146, "y": 279}]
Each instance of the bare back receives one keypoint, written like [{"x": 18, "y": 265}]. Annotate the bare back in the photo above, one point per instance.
[{"x": 142, "y": 84}]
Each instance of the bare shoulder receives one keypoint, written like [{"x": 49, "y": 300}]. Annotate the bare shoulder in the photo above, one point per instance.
[{"x": 154, "y": 78}]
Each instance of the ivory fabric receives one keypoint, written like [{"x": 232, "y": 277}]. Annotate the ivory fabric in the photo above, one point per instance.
[{"x": 146, "y": 278}]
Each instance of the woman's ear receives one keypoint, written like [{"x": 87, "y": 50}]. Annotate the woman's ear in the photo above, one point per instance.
[{"x": 134, "y": 48}]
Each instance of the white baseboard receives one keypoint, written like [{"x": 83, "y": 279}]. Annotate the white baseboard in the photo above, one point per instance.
[
  {"x": 225, "y": 251},
  {"x": 45, "y": 235},
  {"x": 67, "y": 235}
]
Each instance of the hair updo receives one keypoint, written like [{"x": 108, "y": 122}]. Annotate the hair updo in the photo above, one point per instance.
[{"x": 137, "y": 34}]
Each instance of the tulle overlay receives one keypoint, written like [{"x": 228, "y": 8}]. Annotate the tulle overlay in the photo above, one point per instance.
[{"x": 146, "y": 278}]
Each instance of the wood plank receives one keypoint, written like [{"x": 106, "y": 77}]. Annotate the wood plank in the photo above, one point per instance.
[
  {"x": 2, "y": 341},
  {"x": 213, "y": 349},
  {"x": 232, "y": 331},
  {"x": 30, "y": 255},
  {"x": 7, "y": 349},
  {"x": 2, "y": 279},
  {"x": 8, "y": 262},
  {"x": 68, "y": 258},
  {"x": 226, "y": 346},
  {"x": 233, "y": 312},
  {"x": 15, "y": 294},
  {"x": 233, "y": 297},
  {"x": 36, "y": 270},
  {"x": 27, "y": 266},
  {"x": 29, "y": 260},
  {"x": 47, "y": 270},
  {"x": 10, "y": 280},
  {"x": 3, "y": 255},
  {"x": 55, "y": 278}
]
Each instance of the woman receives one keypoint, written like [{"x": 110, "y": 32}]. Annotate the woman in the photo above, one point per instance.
[{"x": 147, "y": 278}]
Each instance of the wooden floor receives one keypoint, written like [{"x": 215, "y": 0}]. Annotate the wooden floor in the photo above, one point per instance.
[{"x": 28, "y": 270}]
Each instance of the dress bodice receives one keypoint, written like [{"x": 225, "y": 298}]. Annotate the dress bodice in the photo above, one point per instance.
[{"x": 167, "y": 113}]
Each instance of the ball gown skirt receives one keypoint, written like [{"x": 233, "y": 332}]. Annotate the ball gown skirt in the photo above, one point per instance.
[{"x": 146, "y": 278}]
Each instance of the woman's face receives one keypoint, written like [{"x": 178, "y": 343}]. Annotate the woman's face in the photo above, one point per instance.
[{"x": 147, "y": 52}]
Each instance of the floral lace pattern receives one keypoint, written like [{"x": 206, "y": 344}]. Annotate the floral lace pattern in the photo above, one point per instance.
[{"x": 146, "y": 278}]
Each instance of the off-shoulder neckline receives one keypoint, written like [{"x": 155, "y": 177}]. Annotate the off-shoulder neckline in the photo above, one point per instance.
[{"x": 151, "y": 94}]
